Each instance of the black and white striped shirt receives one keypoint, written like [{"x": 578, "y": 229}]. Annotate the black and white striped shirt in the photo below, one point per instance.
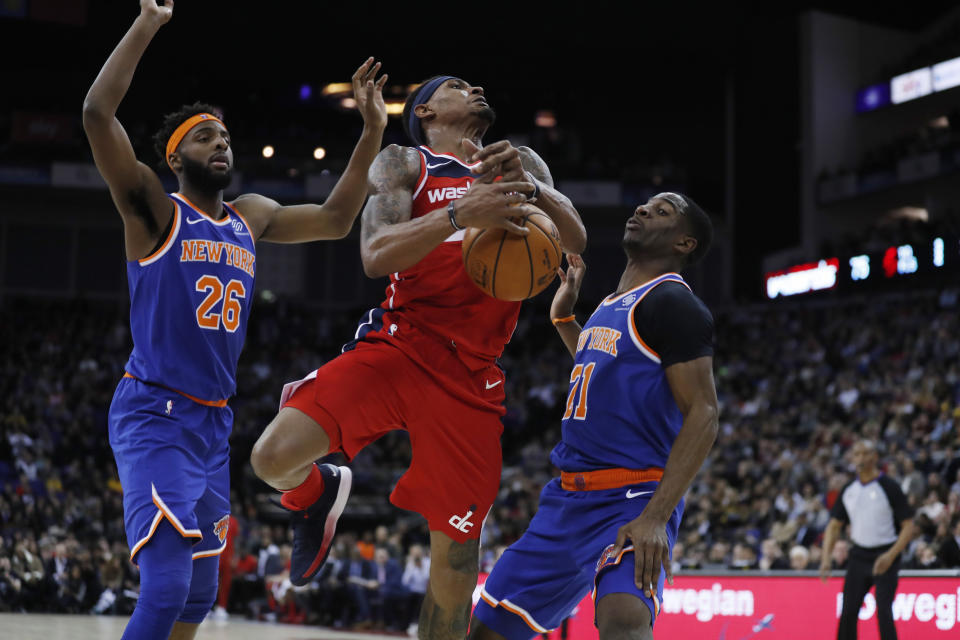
[{"x": 875, "y": 511}]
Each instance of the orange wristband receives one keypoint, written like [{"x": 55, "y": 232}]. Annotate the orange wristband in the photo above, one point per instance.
[{"x": 558, "y": 321}]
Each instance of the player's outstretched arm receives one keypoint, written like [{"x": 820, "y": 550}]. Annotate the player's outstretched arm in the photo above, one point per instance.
[
  {"x": 391, "y": 241},
  {"x": 523, "y": 163},
  {"x": 696, "y": 396},
  {"x": 334, "y": 218},
  {"x": 564, "y": 300},
  {"x": 135, "y": 187}
]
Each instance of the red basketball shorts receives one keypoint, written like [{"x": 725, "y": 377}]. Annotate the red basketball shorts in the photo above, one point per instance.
[{"x": 451, "y": 413}]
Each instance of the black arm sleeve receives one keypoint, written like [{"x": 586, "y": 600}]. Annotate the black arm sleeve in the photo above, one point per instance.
[
  {"x": 839, "y": 511},
  {"x": 898, "y": 502},
  {"x": 675, "y": 324}
]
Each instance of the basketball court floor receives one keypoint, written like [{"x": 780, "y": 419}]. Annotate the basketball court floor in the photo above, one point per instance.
[{"x": 25, "y": 626}]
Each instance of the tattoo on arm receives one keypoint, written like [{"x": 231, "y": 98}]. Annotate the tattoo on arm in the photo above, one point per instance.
[
  {"x": 535, "y": 165},
  {"x": 391, "y": 179}
]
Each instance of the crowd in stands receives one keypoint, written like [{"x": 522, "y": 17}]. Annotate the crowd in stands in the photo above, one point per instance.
[
  {"x": 878, "y": 165},
  {"x": 797, "y": 383},
  {"x": 890, "y": 233}
]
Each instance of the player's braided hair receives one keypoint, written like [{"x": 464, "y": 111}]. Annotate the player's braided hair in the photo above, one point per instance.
[
  {"x": 173, "y": 120},
  {"x": 700, "y": 227}
]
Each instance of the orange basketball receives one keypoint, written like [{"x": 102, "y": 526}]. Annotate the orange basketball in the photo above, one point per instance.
[{"x": 508, "y": 266}]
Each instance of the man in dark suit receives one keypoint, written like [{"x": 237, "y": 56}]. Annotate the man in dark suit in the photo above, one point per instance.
[
  {"x": 360, "y": 587},
  {"x": 390, "y": 594}
]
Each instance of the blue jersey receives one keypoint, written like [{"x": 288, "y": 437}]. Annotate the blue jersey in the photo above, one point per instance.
[
  {"x": 620, "y": 412},
  {"x": 189, "y": 303}
]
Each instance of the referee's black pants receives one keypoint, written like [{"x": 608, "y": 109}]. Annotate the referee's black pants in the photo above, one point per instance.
[{"x": 857, "y": 583}]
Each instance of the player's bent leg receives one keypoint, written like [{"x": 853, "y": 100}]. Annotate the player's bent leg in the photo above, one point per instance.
[
  {"x": 284, "y": 457},
  {"x": 284, "y": 454},
  {"x": 165, "y": 573},
  {"x": 480, "y": 631},
  {"x": 623, "y": 616},
  {"x": 445, "y": 613}
]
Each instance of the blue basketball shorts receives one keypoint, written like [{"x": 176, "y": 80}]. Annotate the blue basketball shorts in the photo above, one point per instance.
[
  {"x": 562, "y": 557},
  {"x": 173, "y": 458}
]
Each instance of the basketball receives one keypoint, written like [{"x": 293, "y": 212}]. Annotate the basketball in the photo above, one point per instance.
[{"x": 508, "y": 266}]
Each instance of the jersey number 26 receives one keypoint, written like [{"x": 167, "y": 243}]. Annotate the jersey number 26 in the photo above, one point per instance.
[{"x": 231, "y": 295}]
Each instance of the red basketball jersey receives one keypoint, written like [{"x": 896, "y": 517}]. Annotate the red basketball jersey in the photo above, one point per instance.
[{"x": 436, "y": 295}]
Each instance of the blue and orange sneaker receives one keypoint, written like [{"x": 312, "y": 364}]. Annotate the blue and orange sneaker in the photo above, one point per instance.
[{"x": 313, "y": 527}]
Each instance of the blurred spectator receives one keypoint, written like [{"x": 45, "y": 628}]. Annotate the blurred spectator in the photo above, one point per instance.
[
  {"x": 950, "y": 546},
  {"x": 389, "y": 597},
  {"x": 840, "y": 554},
  {"x": 913, "y": 485},
  {"x": 744, "y": 557},
  {"x": 360, "y": 583},
  {"x": 415, "y": 577},
  {"x": 925, "y": 557},
  {"x": 932, "y": 508},
  {"x": 11, "y": 587},
  {"x": 799, "y": 558},
  {"x": 330, "y": 604},
  {"x": 771, "y": 556},
  {"x": 366, "y": 545}
]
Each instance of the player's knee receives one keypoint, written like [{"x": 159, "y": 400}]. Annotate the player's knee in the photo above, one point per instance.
[
  {"x": 203, "y": 590},
  {"x": 164, "y": 590},
  {"x": 267, "y": 459},
  {"x": 622, "y": 616},
  {"x": 164, "y": 603},
  {"x": 454, "y": 569}
]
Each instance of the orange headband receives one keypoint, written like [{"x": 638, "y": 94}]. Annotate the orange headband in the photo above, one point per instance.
[{"x": 184, "y": 128}]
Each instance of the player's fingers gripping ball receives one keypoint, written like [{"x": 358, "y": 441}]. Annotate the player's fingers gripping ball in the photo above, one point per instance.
[{"x": 509, "y": 266}]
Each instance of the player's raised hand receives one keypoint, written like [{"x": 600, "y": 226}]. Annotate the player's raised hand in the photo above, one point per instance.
[
  {"x": 569, "y": 290},
  {"x": 368, "y": 92},
  {"x": 488, "y": 206},
  {"x": 158, "y": 15},
  {"x": 651, "y": 550}
]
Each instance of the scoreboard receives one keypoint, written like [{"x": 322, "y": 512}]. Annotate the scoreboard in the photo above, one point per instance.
[{"x": 935, "y": 262}]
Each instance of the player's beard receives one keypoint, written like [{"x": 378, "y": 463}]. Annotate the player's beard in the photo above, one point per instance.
[
  {"x": 488, "y": 115},
  {"x": 205, "y": 179}
]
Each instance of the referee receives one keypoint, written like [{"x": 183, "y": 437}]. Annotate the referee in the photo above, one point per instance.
[{"x": 876, "y": 510}]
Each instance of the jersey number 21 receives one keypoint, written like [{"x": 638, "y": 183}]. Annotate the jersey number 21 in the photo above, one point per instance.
[{"x": 580, "y": 379}]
